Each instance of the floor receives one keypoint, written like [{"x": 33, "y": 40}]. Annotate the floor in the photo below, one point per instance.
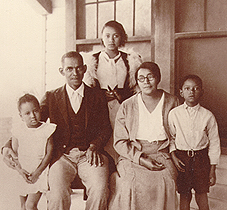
[{"x": 9, "y": 200}]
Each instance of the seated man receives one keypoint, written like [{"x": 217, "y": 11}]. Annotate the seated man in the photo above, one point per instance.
[{"x": 83, "y": 128}]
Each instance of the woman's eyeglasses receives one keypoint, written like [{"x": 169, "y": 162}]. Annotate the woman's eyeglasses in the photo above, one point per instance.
[{"x": 142, "y": 78}]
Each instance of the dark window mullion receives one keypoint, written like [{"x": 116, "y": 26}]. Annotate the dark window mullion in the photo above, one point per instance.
[
  {"x": 205, "y": 15},
  {"x": 115, "y": 9},
  {"x": 97, "y": 20},
  {"x": 134, "y": 18}
]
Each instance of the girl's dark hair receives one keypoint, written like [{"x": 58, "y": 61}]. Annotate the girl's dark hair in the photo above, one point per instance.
[
  {"x": 27, "y": 98},
  {"x": 193, "y": 77},
  {"x": 153, "y": 67},
  {"x": 119, "y": 28}
]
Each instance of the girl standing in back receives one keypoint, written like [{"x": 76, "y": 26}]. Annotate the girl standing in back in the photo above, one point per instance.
[{"x": 113, "y": 71}]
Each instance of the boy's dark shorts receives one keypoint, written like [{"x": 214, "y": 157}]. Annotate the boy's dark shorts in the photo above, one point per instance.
[{"x": 197, "y": 170}]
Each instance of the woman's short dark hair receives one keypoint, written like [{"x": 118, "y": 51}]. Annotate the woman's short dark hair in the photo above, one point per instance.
[
  {"x": 27, "y": 98},
  {"x": 153, "y": 67},
  {"x": 119, "y": 28},
  {"x": 193, "y": 77}
]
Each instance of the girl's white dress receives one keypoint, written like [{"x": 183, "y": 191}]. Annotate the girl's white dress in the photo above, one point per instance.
[{"x": 31, "y": 150}]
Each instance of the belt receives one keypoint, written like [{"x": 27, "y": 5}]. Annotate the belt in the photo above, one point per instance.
[{"x": 191, "y": 153}]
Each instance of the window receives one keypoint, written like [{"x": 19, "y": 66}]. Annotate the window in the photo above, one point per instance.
[{"x": 135, "y": 15}]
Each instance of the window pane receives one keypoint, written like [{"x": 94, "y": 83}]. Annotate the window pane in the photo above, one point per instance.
[
  {"x": 90, "y": 1},
  {"x": 189, "y": 15},
  {"x": 124, "y": 15},
  {"x": 106, "y": 13},
  {"x": 216, "y": 15},
  {"x": 143, "y": 17},
  {"x": 91, "y": 23}
]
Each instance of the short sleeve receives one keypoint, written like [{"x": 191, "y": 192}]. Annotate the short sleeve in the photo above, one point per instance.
[{"x": 49, "y": 129}]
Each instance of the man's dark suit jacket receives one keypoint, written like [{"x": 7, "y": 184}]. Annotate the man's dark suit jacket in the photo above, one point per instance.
[{"x": 97, "y": 124}]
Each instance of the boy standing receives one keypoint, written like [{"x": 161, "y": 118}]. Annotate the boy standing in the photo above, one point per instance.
[{"x": 195, "y": 146}]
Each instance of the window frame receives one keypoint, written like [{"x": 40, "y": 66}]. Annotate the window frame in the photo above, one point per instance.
[{"x": 72, "y": 16}]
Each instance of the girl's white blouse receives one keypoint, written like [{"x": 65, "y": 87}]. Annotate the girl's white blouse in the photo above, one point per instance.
[
  {"x": 151, "y": 124},
  {"x": 111, "y": 72}
]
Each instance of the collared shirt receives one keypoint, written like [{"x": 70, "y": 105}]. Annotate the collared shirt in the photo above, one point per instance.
[
  {"x": 75, "y": 96},
  {"x": 194, "y": 128},
  {"x": 151, "y": 124},
  {"x": 111, "y": 72}
]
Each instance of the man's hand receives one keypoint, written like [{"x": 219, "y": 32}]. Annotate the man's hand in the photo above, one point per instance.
[
  {"x": 93, "y": 156},
  {"x": 177, "y": 162},
  {"x": 9, "y": 156},
  {"x": 151, "y": 164}
]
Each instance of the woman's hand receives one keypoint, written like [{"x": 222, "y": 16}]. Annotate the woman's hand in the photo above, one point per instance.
[
  {"x": 93, "y": 156},
  {"x": 177, "y": 162},
  {"x": 151, "y": 164}
]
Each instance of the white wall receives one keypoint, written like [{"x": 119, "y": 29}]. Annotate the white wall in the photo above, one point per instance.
[
  {"x": 31, "y": 44},
  {"x": 21, "y": 32},
  {"x": 21, "y": 53},
  {"x": 55, "y": 44}
]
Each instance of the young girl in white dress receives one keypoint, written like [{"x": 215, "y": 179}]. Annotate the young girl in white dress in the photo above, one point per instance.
[{"x": 33, "y": 144}]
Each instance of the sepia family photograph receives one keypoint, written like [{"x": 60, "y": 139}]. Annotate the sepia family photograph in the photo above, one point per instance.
[{"x": 113, "y": 105}]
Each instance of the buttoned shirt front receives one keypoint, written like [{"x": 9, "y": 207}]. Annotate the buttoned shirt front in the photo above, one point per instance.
[
  {"x": 75, "y": 96},
  {"x": 194, "y": 128}
]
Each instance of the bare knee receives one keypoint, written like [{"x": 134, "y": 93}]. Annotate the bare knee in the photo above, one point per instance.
[
  {"x": 31, "y": 206},
  {"x": 23, "y": 207},
  {"x": 185, "y": 200},
  {"x": 23, "y": 201},
  {"x": 202, "y": 201}
]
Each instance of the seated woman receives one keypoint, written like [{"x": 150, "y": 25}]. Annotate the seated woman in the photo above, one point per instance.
[{"x": 146, "y": 174}]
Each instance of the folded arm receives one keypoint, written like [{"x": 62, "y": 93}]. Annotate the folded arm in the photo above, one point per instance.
[{"x": 123, "y": 145}]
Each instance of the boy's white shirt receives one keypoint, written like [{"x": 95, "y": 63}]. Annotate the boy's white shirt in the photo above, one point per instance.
[{"x": 194, "y": 132}]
